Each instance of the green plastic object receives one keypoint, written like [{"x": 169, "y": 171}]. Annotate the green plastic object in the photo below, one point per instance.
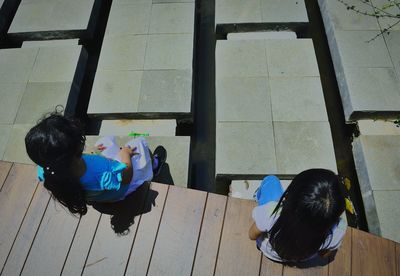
[{"x": 137, "y": 134}]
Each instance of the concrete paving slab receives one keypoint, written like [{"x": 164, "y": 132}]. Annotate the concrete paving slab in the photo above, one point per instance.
[
  {"x": 387, "y": 205},
  {"x": 115, "y": 92},
  {"x": 168, "y": 91},
  {"x": 172, "y": 18},
  {"x": 56, "y": 64},
  {"x": 303, "y": 145},
  {"x": 169, "y": 51},
  {"x": 40, "y": 98},
  {"x": 241, "y": 59},
  {"x": 133, "y": 18},
  {"x": 237, "y": 11},
  {"x": 381, "y": 156},
  {"x": 10, "y": 95},
  {"x": 16, "y": 64},
  {"x": 355, "y": 51},
  {"x": 152, "y": 127},
  {"x": 245, "y": 148},
  {"x": 15, "y": 149},
  {"x": 5, "y": 131},
  {"x": 393, "y": 41},
  {"x": 177, "y": 147},
  {"x": 122, "y": 52},
  {"x": 172, "y": 1},
  {"x": 385, "y": 22},
  {"x": 262, "y": 35},
  {"x": 297, "y": 99},
  {"x": 243, "y": 99},
  {"x": 283, "y": 11},
  {"x": 50, "y": 43},
  {"x": 291, "y": 58},
  {"x": 245, "y": 189},
  {"x": 372, "y": 89},
  {"x": 370, "y": 127}
]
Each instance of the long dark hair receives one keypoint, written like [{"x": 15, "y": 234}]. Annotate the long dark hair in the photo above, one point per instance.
[
  {"x": 310, "y": 207},
  {"x": 54, "y": 143}
]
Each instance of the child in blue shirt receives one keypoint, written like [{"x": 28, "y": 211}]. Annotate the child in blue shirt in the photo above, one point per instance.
[{"x": 75, "y": 179}]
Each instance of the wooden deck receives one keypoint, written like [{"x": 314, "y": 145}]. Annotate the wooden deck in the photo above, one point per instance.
[{"x": 172, "y": 231}]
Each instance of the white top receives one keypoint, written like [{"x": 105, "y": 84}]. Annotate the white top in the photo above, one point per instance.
[{"x": 264, "y": 223}]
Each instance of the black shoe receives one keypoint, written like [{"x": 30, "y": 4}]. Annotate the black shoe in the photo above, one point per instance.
[{"x": 161, "y": 154}]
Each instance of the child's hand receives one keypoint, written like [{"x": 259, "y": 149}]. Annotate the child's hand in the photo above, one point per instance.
[{"x": 128, "y": 151}]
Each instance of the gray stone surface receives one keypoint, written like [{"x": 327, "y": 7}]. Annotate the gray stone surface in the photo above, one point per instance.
[
  {"x": 262, "y": 35},
  {"x": 166, "y": 91},
  {"x": 4, "y": 134},
  {"x": 129, "y": 18},
  {"x": 291, "y": 58},
  {"x": 370, "y": 127},
  {"x": 385, "y": 22},
  {"x": 173, "y": 1},
  {"x": 237, "y": 11},
  {"x": 16, "y": 64},
  {"x": 303, "y": 145},
  {"x": 122, "y": 52},
  {"x": 50, "y": 43},
  {"x": 387, "y": 204},
  {"x": 393, "y": 41},
  {"x": 245, "y": 148},
  {"x": 297, "y": 99},
  {"x": 243, "y": 99},
  {"x": 283, "y": 11},
  {"x": 152, "y": 127},
  {"x": 40, "y": 98},
  {"x": 15, "y": 149},
  {"x": 231, "y": 56},
  {"x": 169, "y": 51},
  {"x": 115, "y": 92},
  {"x": 172, "y": 18},
  {"x": 10, "y": 95}
]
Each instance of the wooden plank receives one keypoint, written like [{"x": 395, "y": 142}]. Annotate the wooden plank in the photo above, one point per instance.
[
  {"x": 398, "y": 258},
  {"x": 372, "y": 255},
  {"x": 207, "y": 248},
  {"x": 54, "y": 237},
  {"x": 178, "y": 233},
  {"x": 311, "y": 271},
  {"x": 4, "y": 170},
  {"x": 270, "y": 268},
  {"x": 238, "y": 255},
  {"x": 15, "y": 198},
  {"x": 110, "y": 251},
  {"x": 27, "y": 232},
  {"x": 341, "y": 265},
  {"x": 146, "y": 235},
  {"x": 81, "y": 245}
]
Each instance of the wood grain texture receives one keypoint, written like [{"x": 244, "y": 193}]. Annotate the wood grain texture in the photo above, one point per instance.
[
  {"x": 15, "y": 198},
  {"x": 238, "y": 254},
  {"x": 372, "y": 255},
  {"x": 177, "y": 237},
  {"x": 270, "y": 268},
  {"x": 4, "y": 170},
  {"x": 147, "y": 231},
  {"x": 398, "y": 258},
  {"x": 341, "y": 264},
  {"x": 27, "y": 233},
  {"x": 312, "y": 271},
  {"x": 207, "y": 248}
]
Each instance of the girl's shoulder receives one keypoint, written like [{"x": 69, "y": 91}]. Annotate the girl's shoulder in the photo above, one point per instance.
[{"x": 263, "y": 217}]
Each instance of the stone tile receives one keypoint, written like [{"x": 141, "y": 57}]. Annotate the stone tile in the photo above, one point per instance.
[
  {"x": 166, "y": 91},
  {"x": 124, "y": 127},
  {"x": 129, "y": 18},
  {"x": 243, "y": 99},
  {"x": 283, "y": 11},
  {"x": 348, "y": 20},
  {"x": 387, "y": 205},
  {"x": 240, "y": 59},
  {"x": 16, "y": 64},
  {"x": 355, "y": 51},
  {"x": 5, "y": 131},
  {"x": 115, "y": 92},
  {"x": 11, "y": 95},
  {"x": 40, "y": 98},
  {"x": 173, "y": 1},
  {"x": 15, "y": 150},
  {"x": 237, "y": 11},
  {"x": 297, "y": 99},
  {"x": 373, "y": 89},
  {"x": 370, "y": 127},
  {"x": 47, "y": 65},
  {"x": 291, "y": 58},
  {"x": 385, "y": 22},
  {"x": 169, "y": 51},
  {"x": 50, "y": 43},
  {"x": 381, "y": 156},
  {"x": 123, "y": 52},
  {"x": 393, "y": 42},
  {"x": 70, "y": 15},
  {"x": 245, "y": 148},
  {"x": 262, "y": 35},
  {"x": 172, "y": 18},
  {"x": 303, "y": 145}
]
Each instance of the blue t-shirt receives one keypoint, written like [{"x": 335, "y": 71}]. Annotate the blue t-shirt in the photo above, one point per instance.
[{"x": 102, "y": 179}]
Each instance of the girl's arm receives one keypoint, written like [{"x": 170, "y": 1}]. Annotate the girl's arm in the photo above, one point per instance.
[
  {"x": 254, "y": 232},
  {"x": 125, "y": 155}
]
